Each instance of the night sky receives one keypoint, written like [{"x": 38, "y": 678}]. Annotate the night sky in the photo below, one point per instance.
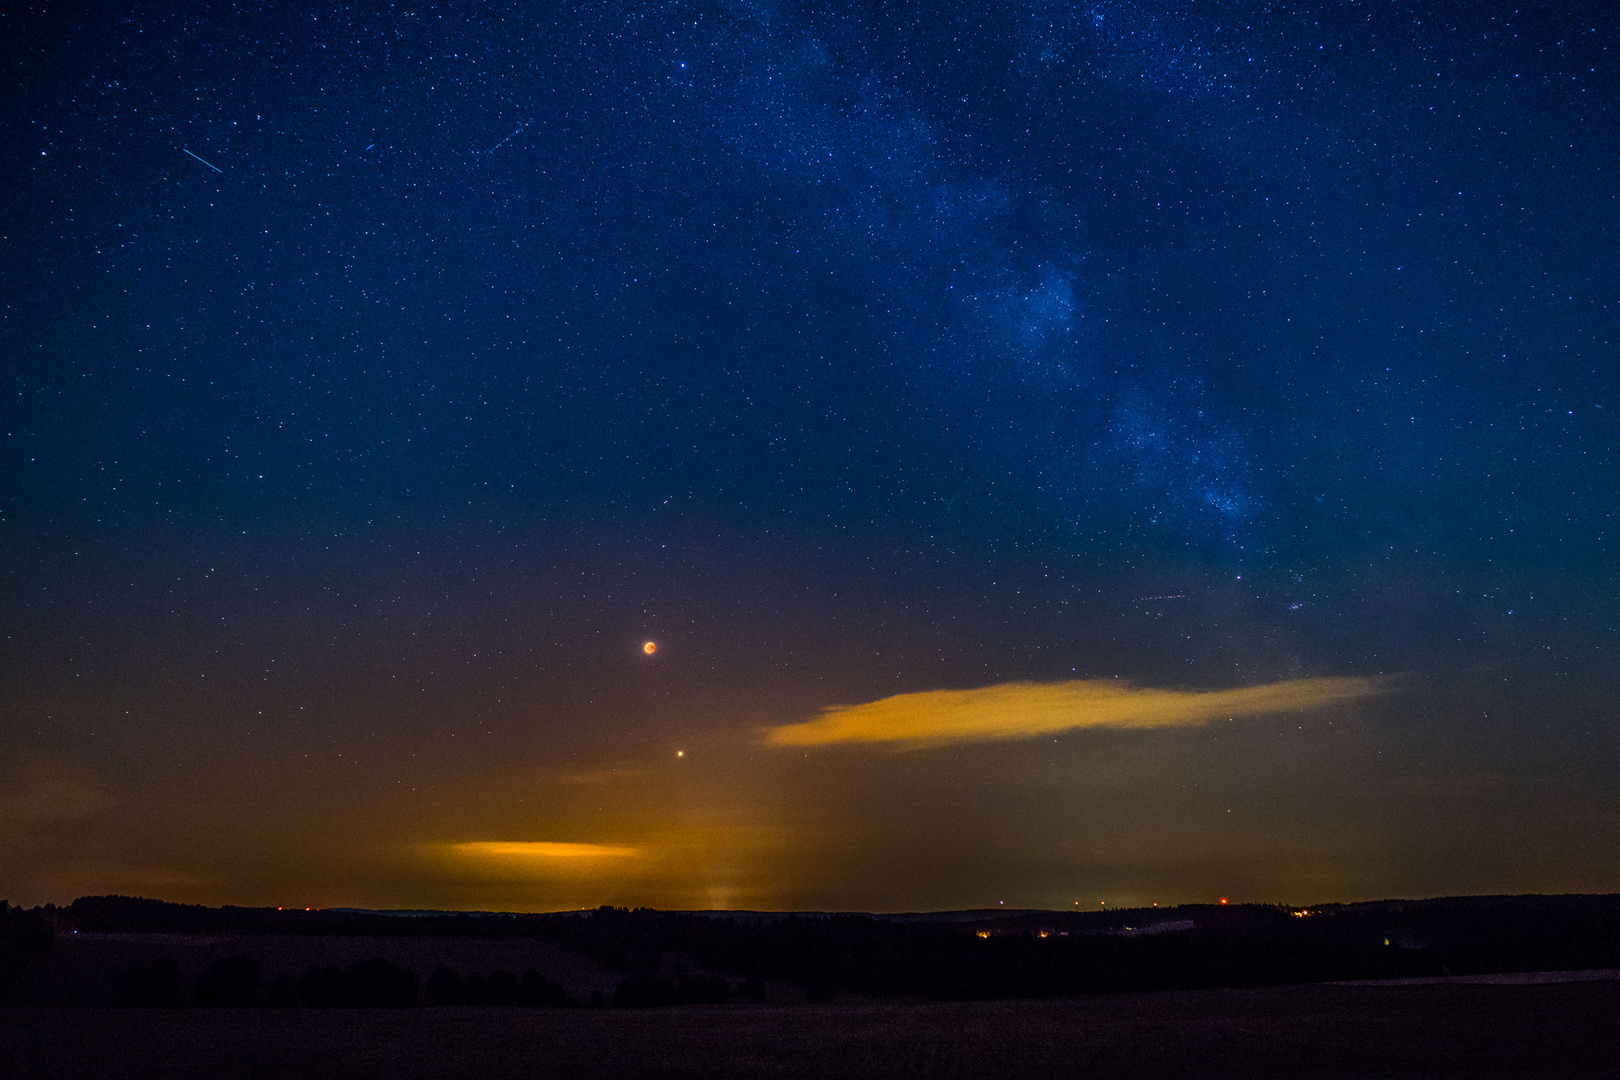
[{"x": 1060, "y": 453}]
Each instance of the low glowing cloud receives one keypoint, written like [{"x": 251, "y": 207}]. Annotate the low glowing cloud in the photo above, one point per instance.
[
  {"x": 544, "y": 851},
  {"x": 1023, "y": 710}
]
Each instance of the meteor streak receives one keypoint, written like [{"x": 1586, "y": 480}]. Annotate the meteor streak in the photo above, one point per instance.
[{"x": 216, "y": 168}]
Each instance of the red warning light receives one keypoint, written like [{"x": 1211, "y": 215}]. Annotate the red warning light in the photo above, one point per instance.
[{"x": 1223, "y": 899}]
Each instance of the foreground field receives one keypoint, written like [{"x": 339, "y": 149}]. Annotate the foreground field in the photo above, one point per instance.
[{"x": 1561, "y": 1030}]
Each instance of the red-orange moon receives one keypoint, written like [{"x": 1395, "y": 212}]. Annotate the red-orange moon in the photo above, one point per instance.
[{"x": 650, "y": 648}]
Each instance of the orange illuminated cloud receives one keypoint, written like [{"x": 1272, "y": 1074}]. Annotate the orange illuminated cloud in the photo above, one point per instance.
[
  {"x": 544, "y": 850},
  {"x": 1022, "y": 710}
]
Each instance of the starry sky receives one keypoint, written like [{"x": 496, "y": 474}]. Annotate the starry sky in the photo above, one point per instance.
[{"x": 1061, "y": 453}]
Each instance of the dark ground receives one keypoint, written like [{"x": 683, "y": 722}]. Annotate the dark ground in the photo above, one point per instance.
[{"x": 1560, "y": 1030}]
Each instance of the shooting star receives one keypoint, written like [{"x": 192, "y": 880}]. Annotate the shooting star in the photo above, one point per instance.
[
  {"x": 521, "y": 128},
  {"x": 216, "y": 168}
]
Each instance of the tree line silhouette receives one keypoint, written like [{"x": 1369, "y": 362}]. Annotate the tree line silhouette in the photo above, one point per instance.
[
  {"x": 235, "y": 982},
  {"x": 968, "y": 956}
]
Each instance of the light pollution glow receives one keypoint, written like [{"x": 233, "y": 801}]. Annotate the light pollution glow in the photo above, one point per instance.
[
  {"x": 1022, "y": 710},
  {"x": 697, "y": 864}
]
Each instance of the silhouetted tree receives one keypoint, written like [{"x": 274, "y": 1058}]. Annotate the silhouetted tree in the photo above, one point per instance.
[
  {"x": 535, "y": 989},
  {"x": 147, "y": 986},
  {"x": 281, "y": 994},
  {"x": 446, "y": 986},
  {"x": 322, "y": 987},
  {"x": 500, "y": 988},
  {"x": 229, "y": 983},
  {"x": 644, "y": 991},
  {"x": 702, "y": 989},
  {"x": 22, "y": 934},
  {"x": 379, "y": 983},
  {"x": 648, "y": 991}
]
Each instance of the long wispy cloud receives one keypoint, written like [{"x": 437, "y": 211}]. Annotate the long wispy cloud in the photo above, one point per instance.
[{"x": 1022, "y": 710}]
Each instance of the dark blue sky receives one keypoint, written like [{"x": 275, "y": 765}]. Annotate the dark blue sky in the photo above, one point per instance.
[{"x": 845, "y": 353}]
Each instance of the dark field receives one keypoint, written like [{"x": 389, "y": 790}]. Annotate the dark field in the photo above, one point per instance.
[{"x": 1561, "y": 1030}]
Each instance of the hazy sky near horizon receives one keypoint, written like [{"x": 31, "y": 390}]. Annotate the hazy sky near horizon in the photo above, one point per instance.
[{"x": 1060, "y": 453}]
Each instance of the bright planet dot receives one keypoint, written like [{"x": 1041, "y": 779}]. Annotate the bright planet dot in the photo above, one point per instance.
[
  {"x": 680, "y": 753},
  {"x": 650, "y": 647}
]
